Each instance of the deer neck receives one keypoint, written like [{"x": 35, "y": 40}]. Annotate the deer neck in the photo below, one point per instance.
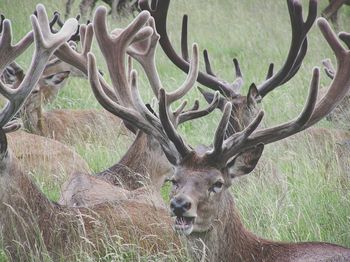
[
  {"x": 228, "y": 239},
  {"x": 33, "y": 119},
  {"x": 146, "y": 158}
]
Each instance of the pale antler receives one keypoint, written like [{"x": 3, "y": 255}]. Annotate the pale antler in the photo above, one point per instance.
[
  {"x": 144, "y": 52},
  {"x": 45, "y": 44},
  {"x": 130, "y": 106}
]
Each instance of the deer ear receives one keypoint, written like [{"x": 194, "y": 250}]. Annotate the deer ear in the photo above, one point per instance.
[
  {"x": 253, "y": 95},
  {"x": 55, "y": 79},
  {"x": 244, "y": 162},
  {"x": 208, "y": 96}
]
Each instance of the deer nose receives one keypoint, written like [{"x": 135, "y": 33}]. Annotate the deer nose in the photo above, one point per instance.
[{"x": 180, "y": 205}]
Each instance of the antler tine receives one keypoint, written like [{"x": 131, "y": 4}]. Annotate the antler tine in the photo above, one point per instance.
[
  {"x": 144, "y": 52},
  {"x": 220, "y": 132},
  {"x": 297, "y": 48},
  {"x": 140, "y": 106},
  {"x": 114, "y": 49},
  {"x": 79, "y": 60},
  {"x": 9, "y": 52},
  {"x": 45, "y": 45},
  {"x": 207, "y": 63},
  {"x": 159, "y": 13},
  {"x": 328, "y": 68},
  {"x": 129, "y": 113},
  {"x": 246, "y": 139},
  {"x": 270, "y": 71},
  {"x": 341, "y": 82},
  {"x": 195, "y": 112},
  {"x": 250, "y": 137},
  {"x": 168, "y": 127},
  {"x": 184, "y": 45},
  {"x": 190, "y": 80}
]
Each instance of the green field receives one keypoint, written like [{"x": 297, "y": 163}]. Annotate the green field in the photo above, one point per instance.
[{"x": 297, "y": 193}]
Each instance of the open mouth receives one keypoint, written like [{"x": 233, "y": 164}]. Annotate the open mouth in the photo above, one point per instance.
[{"x": 184, "y": 225}]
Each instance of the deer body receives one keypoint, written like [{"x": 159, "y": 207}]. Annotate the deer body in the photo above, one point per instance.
[
  {"x": 47, "y": 156},
  {"x": 229, "y": 240},
  {"x": 30, "y": 219}
]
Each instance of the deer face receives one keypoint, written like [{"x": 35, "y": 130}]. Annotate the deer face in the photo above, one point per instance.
[
  {"x": 198, "y": 190},
  {"x": 244, "y": 108},
  {"x": 194, "y": 198}
]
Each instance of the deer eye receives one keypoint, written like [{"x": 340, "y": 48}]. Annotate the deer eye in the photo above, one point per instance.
[
  {"x": 174, "y": 182},
  {"x": 216, "y": 187}
]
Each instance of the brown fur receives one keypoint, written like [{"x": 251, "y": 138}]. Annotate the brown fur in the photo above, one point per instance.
[
  {"x": 139, "y": 175},
  {"x": 28, "y": 218},
  {"x": 219, "y": 227},
  {"x": 47, "y": 156}
]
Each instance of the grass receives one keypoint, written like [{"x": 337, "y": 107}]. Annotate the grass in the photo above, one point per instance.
[{"x": 297, "y": 193}]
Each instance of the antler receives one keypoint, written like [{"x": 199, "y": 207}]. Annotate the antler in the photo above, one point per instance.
[
  {"x": 8, "y": 51},
  {"x": 298, "y": 46},
  {"x": 130, "y": 106},
  {"x": 45, "y": 45},
  {"x": 311, "y": 114},
  {"x": 144, "y": 52},
  {"x": 159, "y": 10}
]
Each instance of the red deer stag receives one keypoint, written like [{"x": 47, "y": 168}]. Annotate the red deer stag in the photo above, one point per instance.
[
  {"x": 202, "y": 179},
  {"x": 144, "y": 163},
  {"x": 31, "y": 225},
  {"x": 244, "y": 107},
  {"x": 47, "y": 156}
]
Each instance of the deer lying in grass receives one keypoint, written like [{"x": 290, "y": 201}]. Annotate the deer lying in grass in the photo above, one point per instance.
[
  {"x": 196, "y": 207},
  {"x": 245, "y": 107},
  {"x": 61, "y": 124},
  {"x": 48, "y": 156},
  {"x": 144, "y": 164},
  {"x": 31, "y": 225}
]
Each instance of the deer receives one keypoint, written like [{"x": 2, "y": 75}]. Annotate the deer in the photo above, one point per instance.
[
  {"x": 190, "y": 204},
  {"x": 31, "y": 224},
  {"x": 117, "y": 7},
  {"x": 242, "y": 151},
  {"x": 244, "y": 107},
  {"x": 48, "y": 156},
  {"x": 201, "y": 203},
  {"x": 60, "y": 124},
  {"x": 144, "y": 164},
  {"x": 331, "y": 11}
]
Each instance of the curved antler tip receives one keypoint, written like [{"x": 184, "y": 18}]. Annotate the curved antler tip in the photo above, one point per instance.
[
  {"x": 322, "y": 22},
  {"x": 100, "y": 11},
  {"x": 316, "y": 71},
  {"x": 40, "y": 8},
  {"x": 144, "y": 15},
  {"x": 228, "y": 107},
  {"x": 195, "y": 48},
  {"x": 261, "y": 114},
  {"x": 343, "y": 35},
  {"x": 7, "y": 23}
]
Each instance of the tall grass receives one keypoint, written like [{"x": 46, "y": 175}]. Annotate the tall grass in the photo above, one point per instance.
[{"x": 298, "y": 192}]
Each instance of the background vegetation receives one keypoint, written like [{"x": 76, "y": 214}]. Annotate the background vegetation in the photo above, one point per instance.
[{"x": 298, "y": 192}]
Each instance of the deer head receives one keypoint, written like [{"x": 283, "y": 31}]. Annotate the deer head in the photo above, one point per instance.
[{"x": 202, "y": 178}]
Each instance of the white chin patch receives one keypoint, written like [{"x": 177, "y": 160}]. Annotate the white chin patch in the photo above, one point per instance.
[{"x": 184, "y": 225}]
